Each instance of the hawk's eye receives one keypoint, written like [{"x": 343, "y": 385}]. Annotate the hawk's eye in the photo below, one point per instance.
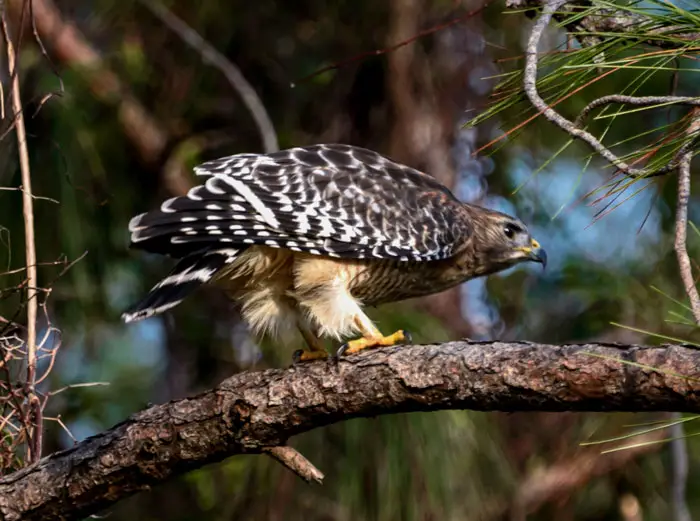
[{"x": 511, "y": 229}]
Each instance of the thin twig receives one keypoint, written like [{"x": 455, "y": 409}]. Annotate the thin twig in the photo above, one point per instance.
[
  {"x": 642, "y": 101},
  {"x": 682, "y": 222},
  {"x": 296, "y": 462},
  {"x": 74, "y": 386},
  {"x": 34, "y": 434},
  {"x": 233, "y": 74},
  {"x": 42, "y": 48},
  {"x": 65, "y": 428},
  {"x": 19, "y": 189},
  {"x": 679, "y": 449},
  {"x": 24, "y": 268},
  {"x": 5, "y": 420}
]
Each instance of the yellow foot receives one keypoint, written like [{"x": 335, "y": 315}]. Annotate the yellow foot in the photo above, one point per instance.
[
  {"x": 302, "y": 355},
  {"x": 357, "y": 345}
]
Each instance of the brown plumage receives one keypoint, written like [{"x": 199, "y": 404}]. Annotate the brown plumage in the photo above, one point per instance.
[{"x": 304, "y": 238}]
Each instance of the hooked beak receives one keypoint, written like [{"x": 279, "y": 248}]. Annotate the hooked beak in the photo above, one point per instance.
[{"x": 536, "y": 253}]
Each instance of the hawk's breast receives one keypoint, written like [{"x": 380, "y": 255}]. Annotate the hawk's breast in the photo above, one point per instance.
[{"x": 381, "y": 281}]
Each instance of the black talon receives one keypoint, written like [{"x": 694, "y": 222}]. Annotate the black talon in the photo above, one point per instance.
[
  {"x": 296, "y": 356},
  {"x": 341, "y": 351},
  {"x": 407, "y": 338}
]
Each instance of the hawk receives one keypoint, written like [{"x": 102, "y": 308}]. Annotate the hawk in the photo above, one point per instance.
[{"x": 304, "y": 238}]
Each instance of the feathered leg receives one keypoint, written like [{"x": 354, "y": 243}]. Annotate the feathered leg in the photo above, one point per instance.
[{"x": 322, "y": 291}]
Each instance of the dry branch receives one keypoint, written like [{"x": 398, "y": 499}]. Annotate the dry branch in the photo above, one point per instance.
[
  {"x": 682, "y": 221},
  {"x": 679, "y": 449},
  {"x": 34, "y": 421},
  {"x": 254, "y": 412}
]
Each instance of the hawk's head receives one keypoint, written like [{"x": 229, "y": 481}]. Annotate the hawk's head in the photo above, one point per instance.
[{"x": 504, "y": 241}]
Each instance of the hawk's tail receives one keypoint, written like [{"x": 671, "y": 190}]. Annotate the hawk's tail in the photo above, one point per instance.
[{"x": 187, "y": 275}]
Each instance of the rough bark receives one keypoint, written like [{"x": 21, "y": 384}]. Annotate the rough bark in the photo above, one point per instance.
[{"x": 251, "y": 412}]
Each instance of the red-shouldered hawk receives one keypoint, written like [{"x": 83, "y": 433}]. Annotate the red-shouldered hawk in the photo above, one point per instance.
[{"x": 305, "y": 237}]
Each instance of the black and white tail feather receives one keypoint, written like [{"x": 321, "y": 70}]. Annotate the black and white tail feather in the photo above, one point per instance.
[
  {"x": 332, "y": 200},
  {"x": 188, "y": 274}
]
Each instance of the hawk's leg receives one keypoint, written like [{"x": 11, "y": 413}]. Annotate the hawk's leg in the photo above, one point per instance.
[
  {"x": 371, "y": 337},
  {"x": 316, "y": 349}
]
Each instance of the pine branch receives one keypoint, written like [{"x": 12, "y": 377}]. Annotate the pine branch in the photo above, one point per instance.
[
  {"x": 551, "y": 7},
  {"x": 257, "y": 412},
  {"x": 620, "y": 21}
]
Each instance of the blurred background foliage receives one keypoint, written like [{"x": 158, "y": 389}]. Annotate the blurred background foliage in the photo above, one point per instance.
[{"x": 143, "y": 107}]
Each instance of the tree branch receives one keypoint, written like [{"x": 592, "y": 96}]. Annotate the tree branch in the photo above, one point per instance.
[
  {"x": 617, "y": 21},
  {"x": 254, "y": 412}
]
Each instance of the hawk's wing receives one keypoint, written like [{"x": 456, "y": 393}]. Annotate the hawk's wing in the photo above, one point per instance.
[{"x": 334, "y": 200}]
